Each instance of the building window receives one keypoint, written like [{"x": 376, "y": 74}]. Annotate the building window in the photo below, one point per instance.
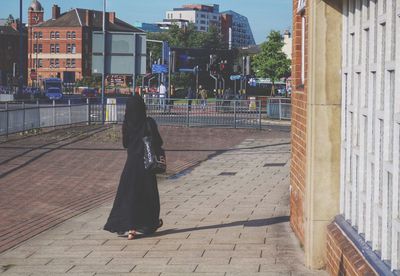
[
  {"x": 57, "y": 63},
  {"x": 57, "y": 35},
  {"x": 73, "y": 48},
  {"x": 73, "y": 35},
  {"x": 40, "y": 63},
  {"x": 72, "y": 63},
  {"x": 52, "y": 35},
  {"x": 68, "y": 35},
  {"x": 37, "y": 48},
  {"x": 52, "y": 48},
  {"x": 68, "y": 48},
  {"x": 202, "y": 28},
  {"x": 57, "y": 46},
  {"x": 51, "y": 63},
  {"x": 35, "y": 35}
]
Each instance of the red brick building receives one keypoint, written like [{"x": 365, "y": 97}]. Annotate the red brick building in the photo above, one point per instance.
[
  {"x": 299, "y": 118},
  {"x": 62, "y": 46}
]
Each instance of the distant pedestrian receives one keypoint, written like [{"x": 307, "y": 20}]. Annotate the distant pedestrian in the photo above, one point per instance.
[
  {"x": 190, "y": 96},
  {"x": 203, "y": 97},
  {"x": 162, "y": 90},
  {"x": 137, "y": 203}
]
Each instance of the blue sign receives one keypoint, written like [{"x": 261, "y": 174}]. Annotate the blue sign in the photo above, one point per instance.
[
  {"x": 188, "y": 70},
  {"x": 159, "y": 68},
  {"x": 235, "y": 77}
]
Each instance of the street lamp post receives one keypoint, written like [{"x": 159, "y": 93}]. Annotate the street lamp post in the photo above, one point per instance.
[
  {"x": 104, "y": 63},
  {"x": 162, "y": 56},
  {"x": 21, "y": 51}
]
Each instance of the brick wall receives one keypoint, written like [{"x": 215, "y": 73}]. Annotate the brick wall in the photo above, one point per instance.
[
  {"x": 342, "y": 256},
  {"x": 299, "y": 126},
  {"x": 46, "y": 41}
]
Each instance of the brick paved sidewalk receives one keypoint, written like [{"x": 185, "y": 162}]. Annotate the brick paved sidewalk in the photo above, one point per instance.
[
  {"x": 229, "y": 216},
  {"x": 54, "y": 176}
]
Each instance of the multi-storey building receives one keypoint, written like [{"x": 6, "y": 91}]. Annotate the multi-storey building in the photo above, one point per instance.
[
  {"x": 202, "y": 16},
  {"x": 61, "y": 46},
  {"x": 236, "y": 30},
  {"x": 9, "y": 53},
  {"x": 287, "y": 47}
]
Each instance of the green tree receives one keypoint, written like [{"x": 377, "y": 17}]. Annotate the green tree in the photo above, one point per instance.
[
  {"x": 187, "y": 37},
  {"x": 272, "y": 62}
]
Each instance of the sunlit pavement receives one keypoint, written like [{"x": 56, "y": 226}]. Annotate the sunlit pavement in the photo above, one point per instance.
[{"x": 227, "y": 216}]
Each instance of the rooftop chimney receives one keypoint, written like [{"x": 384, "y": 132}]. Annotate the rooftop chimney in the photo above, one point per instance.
[
  {"x": 111, "y": 17},
  {"x": 88, "y": 18},
  {"x": 55, "y": 12}
]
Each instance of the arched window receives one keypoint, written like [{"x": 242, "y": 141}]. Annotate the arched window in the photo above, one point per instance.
[
  {"x": 57, "y": 35},
  {"x": 73, "y": 35}
]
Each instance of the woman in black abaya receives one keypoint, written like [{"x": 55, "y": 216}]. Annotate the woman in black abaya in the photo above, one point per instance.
[{"x": 137, "y": 204}]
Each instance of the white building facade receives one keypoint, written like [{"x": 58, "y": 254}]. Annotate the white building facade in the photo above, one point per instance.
[
  {"x": 370, "y": 165},
  {"x": 202, "y": 16}
]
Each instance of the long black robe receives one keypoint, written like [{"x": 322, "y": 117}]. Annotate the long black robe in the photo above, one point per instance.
[{"x": 137, "y": 203}]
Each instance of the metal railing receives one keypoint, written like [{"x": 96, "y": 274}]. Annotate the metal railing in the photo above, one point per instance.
[
  {"x": 20, "y": 117},
  {"x": 190, "y": 113},
  {"x": 279, "y": 108},
  {"x": 27, "y": 117}
]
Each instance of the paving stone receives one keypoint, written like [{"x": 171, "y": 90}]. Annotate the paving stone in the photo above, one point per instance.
[
  {"x": 194, "y": 274},
  {"x": 39, "y": 268},
  {"x": 136, "y": 261},
  {"x": 199, "y": 260},
  {"x": 165, "y": 268},
  {"x": 85, "y": 261},
  {"x": 227, "y": 268},
  {"x": 231, "y": 253},
  {"x": 120, "y": 268},
  {"x": 24, "y": 261},
  {"x": 161, "y": 254}
]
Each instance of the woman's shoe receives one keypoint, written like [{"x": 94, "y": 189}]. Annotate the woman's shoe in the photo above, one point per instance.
[{"x": 131, "y": 234}]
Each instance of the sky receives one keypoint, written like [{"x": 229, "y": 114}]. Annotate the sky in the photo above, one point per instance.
[{"x": 263, "y": 15}]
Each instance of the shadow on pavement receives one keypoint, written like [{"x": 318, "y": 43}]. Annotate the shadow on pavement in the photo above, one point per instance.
[{"x": 245, "y": 223}]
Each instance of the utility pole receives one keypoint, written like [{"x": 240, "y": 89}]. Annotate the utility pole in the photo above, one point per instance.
[
  {"x": 104, "y": 63},
  {"x": 21, "y": 51},
  {"x": 169, "y": 74}
]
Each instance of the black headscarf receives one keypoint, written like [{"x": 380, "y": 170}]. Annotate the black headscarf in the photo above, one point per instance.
[{"x": 134, "y": 120}]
